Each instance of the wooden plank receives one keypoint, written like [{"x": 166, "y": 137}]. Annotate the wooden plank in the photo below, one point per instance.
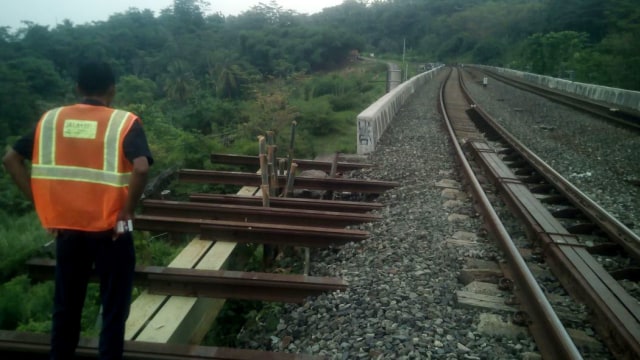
[
  {"x": 166, "y": 325},
  {"x": 214, "y": 260},
  {"x": 142, "y": 309},
  {"x": 248, "y": 191},
  {"x": 191, "y": 254},
  {"x": 472, "y": 299},
  {"x": 187, "y": 319},
  {"x": 146, "y": 305}
]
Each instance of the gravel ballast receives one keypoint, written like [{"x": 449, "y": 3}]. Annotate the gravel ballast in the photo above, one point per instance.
[
  {"x": 401, "y": 301},
  {"x": 601, "y": 159}
]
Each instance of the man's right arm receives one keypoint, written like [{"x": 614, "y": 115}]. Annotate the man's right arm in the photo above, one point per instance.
[{"x": 17, "y": 168}]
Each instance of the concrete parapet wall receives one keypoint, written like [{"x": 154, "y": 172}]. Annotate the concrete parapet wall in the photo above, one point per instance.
[
  {"x": 620, "y": 98},
  {"x": 373, "y": 121}
]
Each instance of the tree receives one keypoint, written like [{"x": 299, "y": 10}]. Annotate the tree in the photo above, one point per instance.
[
  {"x": 553, "y": 53},
  {"x": 21, "y": 111},
  {"x": 179, "y": 81},
  {"x": 135, "y": 90},
  {"x": 582, "y": 16}
]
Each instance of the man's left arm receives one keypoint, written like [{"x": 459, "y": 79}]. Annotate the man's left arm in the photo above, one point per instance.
[
  {"x": 137, "y": 151},
  {"x": 137, "y": 182}
]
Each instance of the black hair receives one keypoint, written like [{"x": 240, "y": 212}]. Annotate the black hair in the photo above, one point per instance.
[{"x": 95, "y": 78}]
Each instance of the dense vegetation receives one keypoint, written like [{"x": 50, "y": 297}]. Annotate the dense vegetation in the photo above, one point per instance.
[{"x": 204, "y": 82}]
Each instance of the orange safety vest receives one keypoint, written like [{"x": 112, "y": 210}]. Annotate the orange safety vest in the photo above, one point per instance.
[{"x": 79, "y": 174}]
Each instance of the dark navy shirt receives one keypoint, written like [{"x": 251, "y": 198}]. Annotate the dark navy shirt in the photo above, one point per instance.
[{"x": 135, "y": 141}]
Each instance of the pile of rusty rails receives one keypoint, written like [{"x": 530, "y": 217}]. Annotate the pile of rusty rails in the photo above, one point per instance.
[
  {"x": 627, "y": 117},
  {"x": 181, "y": 301},
  {"x": 526, "y": 183}
]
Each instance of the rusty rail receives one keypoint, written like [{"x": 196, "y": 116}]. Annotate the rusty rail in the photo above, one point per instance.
[
  {"x": 29, "y": 346},
  {"x": 550, "y": 334},
  {"x": 289, "y": 203},
  {"x": 252, "y": 232},
  {"x": 617, "y": 313},
  {"x": 237, "y": 285},
  {"x": 616, "y": 231},
  {"x": 254, "y": 214},
  {"x": 302, "y": 164},
  {"x": 302, "y": 182}
]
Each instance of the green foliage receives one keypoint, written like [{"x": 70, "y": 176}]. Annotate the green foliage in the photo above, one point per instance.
[
  {"x": 487, "y": 52},
  {"x": 11, "y": 198},
  {"x": 22, "y": 304},
  {"x": 135, "y": 90},
  {"x": 170, "y": 145},
  {"x": 27, "y": 307},
  {"x": 554, "y": 53},
  {"x": 156, "y": 250},
  {"x": 20, "y": 238},
  {"x": 582, "y": 16},
  {"x": 316, "y": 117},
  {"x": 24, "y": 112}
]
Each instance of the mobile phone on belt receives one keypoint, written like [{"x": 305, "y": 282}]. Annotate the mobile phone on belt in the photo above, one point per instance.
[{"x": 123, "y": 226}]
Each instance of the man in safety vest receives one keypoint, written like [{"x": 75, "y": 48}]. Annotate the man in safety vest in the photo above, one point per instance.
[{"x": 89, "y": 169}]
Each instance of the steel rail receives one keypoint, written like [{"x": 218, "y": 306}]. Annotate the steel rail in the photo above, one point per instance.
[
  {"x": 626, "y": 117},
  {"x": 288, "y": 203},
  {"x": 578, "y": 271},
  {"x": 301, "y": 182},
  {"x": 251, "y": 232},
  {"x": 616, "y": 230},
  {"x": 325, "y": 166},
  {"x": 550, "y": 334},
  {"x": 238, "y": 285},
  {"x": 617, "y": 313},
  {"x": 255, "y": 214},
  {"x": 30, "y": 346}
]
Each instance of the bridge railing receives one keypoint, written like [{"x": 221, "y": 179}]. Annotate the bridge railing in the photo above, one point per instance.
[{"x": 375, "y": 119}]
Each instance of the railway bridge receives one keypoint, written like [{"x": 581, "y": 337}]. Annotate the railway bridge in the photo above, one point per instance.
[{"x": 432, "y": 245}]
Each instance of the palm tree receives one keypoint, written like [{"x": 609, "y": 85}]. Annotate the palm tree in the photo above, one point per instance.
[
  {"x": 229, "y": 81},
  {"x": 180, "y": 82}
]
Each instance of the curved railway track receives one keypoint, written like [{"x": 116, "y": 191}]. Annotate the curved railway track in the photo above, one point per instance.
[{"x": 564, "y": 224}]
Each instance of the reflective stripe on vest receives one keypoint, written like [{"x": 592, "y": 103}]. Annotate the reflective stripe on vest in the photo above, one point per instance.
[
  {"x": 108, "y": 175},
  {"x": 80, "y": 174},
  {"x": 47, "y": 143}
]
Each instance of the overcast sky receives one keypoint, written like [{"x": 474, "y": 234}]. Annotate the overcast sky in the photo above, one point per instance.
[{"x": 51, "y": 12}]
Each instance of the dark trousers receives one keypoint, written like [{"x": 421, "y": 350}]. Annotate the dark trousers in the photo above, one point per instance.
[{"x": 78, "y": 253}]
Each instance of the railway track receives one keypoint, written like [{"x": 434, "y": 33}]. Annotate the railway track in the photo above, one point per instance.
[
  {"x": 624, "y": 117},
  {"x": 573, "y": 235},
  {"x": 568, "y": 233},
  {"x": 15, "y": 345}
]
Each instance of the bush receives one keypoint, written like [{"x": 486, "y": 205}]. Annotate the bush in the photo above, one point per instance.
[
  {"x": 23, "y": 304},
  {"x": 317, "y": 117},
  {"x": 20, "y": 238}
]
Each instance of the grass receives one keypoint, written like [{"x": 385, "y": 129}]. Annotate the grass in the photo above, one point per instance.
[{"x": 20, "y": 239}]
